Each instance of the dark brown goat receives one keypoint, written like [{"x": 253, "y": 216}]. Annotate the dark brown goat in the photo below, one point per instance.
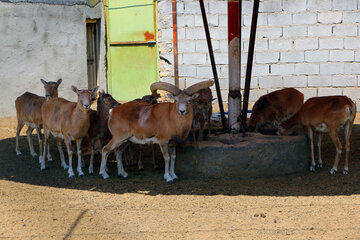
[
  {"x": 202, "y": 113},
  {"x": 275, "y": 107},
  {"x": 99, "y": 124}
]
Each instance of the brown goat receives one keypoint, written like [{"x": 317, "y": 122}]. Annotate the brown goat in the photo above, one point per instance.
[
  {"x": 142, "y": 123},
  {"x": 325, "y": 114},
  {"x": 99, "y": 124},
  {"x": 28, "y": 112},
  {"x": 69, "y": 121},
  {"x": 202, "y": 112},
  {"x": 275, "y": 107}
]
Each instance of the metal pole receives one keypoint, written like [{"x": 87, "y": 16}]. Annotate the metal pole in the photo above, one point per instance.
[
  {"x": 234, "y": 56},
  {"x": 213, "y": 65},
  {"x": 250, "y": 62},
  {"x": 175, "y": 44}
]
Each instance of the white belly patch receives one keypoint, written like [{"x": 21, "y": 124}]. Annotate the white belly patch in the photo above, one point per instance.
[
  {"x": 57, "y": 135},
  {"x": 321, "y": 128},
  {"x": 143, "y": 141}
]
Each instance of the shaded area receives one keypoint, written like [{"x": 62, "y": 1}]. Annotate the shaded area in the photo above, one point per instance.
[{"x": 25, "y": 169}]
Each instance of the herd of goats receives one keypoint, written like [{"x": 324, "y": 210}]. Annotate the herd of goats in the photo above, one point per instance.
[{"x": 146, "y": 120}]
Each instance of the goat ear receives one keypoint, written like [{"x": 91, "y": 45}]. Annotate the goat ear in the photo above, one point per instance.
[
  {"x": 195, "y": 96},
  {"x": 95, "y": 89},
  {"x": 101, "y": 93},
  {"x": 74, "y": 89},
  {"x": 43, "y": 81},
  {"x": 59, "y": 81}
]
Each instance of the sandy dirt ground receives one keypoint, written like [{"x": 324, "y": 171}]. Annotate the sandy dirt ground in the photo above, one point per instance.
[{"x": 49, "y": 205}]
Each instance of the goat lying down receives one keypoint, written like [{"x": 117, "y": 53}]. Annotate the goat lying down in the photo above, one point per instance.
[
  {"x": 142, "y": 123},
  {"x": 324, "y": 114},
  {"x": 274, "y": 108}
]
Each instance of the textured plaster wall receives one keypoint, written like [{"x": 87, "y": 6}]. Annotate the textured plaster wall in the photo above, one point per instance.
[
  {"x": 44, "y": 41},
  {"x": 312, "y": 45}
]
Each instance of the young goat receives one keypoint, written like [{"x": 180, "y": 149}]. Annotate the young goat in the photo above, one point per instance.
[
  {"x": 325, "y": 114},
  {"x": 274, "y": 108},
  {"x": 202, "y": 112},
  {"x": 142, "y": 123},
  {"x": 28, "y": 112},
  {"x": 69, "y": 121},
  {"x": 99, "y": 124}
]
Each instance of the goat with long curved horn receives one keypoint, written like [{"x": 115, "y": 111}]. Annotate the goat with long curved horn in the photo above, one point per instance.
[{"x": 159, "y": 123}]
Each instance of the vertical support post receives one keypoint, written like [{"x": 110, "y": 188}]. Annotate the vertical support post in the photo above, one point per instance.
[
  {"x": 250, "y": 62},
  {"x": 234, "y": 55},
  {"x": 213, "y": 65},
  {"x": 175, "y": 44}
]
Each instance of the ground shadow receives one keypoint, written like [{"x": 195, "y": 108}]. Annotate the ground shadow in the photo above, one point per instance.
[{"x": 25, "y": 169}]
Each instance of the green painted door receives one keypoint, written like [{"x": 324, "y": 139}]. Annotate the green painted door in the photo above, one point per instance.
[{"x": 132, "y": 51}]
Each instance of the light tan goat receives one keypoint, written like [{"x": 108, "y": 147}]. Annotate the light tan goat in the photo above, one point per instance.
[
  {"x": 160, "y": 123},
  {"x": 274, "y": 108},
  {"x": 28, "y": 112},
  {"x": 325, "y": 114},
  {"x": 69, "y": 121}
]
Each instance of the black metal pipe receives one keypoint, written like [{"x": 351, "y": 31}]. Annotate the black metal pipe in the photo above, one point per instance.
[
  {"x": 250, "y": 62},
  {"x": 213, "y": 65}
]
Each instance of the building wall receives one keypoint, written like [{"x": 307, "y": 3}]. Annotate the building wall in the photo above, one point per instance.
[
  {"x": 44, "y": 40},
  {"x": 312, "y": 45}
]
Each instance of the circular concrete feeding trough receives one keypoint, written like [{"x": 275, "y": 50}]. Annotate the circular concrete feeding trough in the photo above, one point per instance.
[{"x": 234, "y": 156}]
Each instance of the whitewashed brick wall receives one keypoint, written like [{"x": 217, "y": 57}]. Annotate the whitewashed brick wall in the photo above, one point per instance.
[{"x": 312, "y": 45}]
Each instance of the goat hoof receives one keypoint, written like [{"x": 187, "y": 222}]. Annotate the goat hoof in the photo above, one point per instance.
[
  {"x": 141, "y": 169},
  {"x": 333, "y": 171},
  {"x": 18, "y": 153},
  {"x": 43, "y": 169},
  {"x": 71, "y": 176},
  {"x": 66, "y": 167},
  {"x": 312, "y": 168},
  {"x": 50, "y": 159},
  {"x": 81, "y": 175},
  {"x": 33, "y": 155},
  {"x": 346, "y": 171},
  {"x": 319, "y": 165},
  {"x": 169, "y": 180}
]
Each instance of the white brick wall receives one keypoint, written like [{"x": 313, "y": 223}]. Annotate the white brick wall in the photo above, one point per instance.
[{"x": 312, "y": 45}]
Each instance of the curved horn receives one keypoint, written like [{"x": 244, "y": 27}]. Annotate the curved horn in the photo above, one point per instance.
[
  {"x": 198, "y": 86},
  {"x": 164, "y": 86}
]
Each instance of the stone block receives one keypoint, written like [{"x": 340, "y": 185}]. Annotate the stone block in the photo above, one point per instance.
[
  {"x": 292, "y": 56},
  {"x": 352, "y": 68},
  {"x": 341, "y": 5},
  {"x": 330, "y": 17},
  {"x": 317, "y": 56},
  {"x": 331, "y": 68},
  {"x": 295, "y": 81},
  {"x": 306, "y": 43},
  {"x": 280, "y": 44},
  {"x": 270, "y": 82},
  {"x": 320, "y": 30},
  {"x": 266, "y": 57},
  {"x": 319, "y": 81},
  {"x": 345, "y": 30},
  {"x": 342, "y": 55},
  {"x": 295, "y": 31},
  {"x": 352, "y": 43},
  {"x": 306, "y": 68},
  {"x": 194, "y": 58},
  {"x": 329, "y": 91},
  {"x": 344, "y": 81},
  {"x": 282, "y": 69},
  {"x": 304, "y": 18},
  {"x": 279, "y": 19},
  {"x": 331, "y": 43},
  {"x": 319, "y": 5},
  {"x": 293, "y": 6}
]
